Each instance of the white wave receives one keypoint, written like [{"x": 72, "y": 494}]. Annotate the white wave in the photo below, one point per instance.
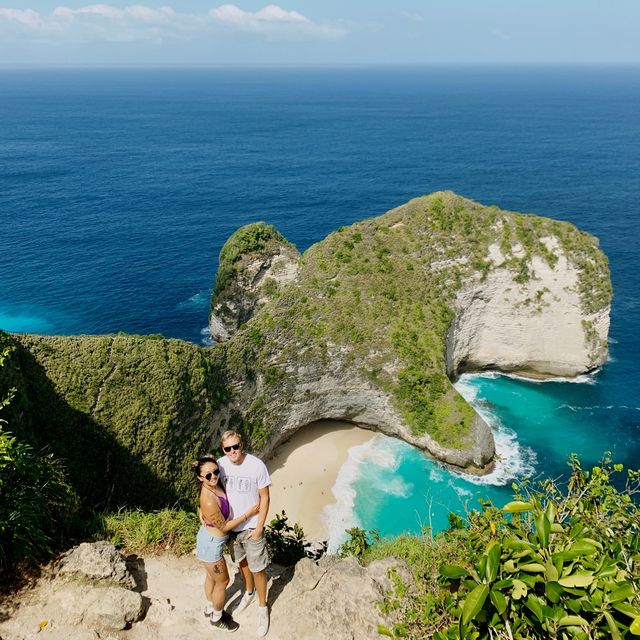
[
  {"x": 512, "y": 459},
  {"x": 379, "y": 458},
  {"x": 586, "y": 378},
  {"x": 206, "y": 336},
  {"x": 460, "y": 491},
  {"x": 198, "y": 300},
  {"x": 436, "y": 474},
  {"x": 596, "y": 407}
]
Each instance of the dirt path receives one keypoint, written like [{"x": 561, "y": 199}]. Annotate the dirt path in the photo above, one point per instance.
[{"x": 172, "y": 589}]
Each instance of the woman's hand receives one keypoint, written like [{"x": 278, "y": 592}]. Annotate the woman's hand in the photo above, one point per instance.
[{"x": 252, "y": 511}]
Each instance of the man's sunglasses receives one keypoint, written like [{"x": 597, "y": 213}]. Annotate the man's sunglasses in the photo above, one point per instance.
[
  {"x": 235, "y": 447},
  {"x": 215, "y": 472}
]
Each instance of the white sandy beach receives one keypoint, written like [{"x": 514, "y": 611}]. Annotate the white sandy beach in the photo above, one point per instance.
[{"x": 305, "y": 468}]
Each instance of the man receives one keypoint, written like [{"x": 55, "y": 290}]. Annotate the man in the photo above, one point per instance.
[{"x": 246, "y": 481}]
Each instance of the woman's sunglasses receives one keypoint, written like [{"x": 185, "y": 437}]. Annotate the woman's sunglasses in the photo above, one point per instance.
[
  {"x": 215, "y": 472},
  {"x": 235, "y": 447}
]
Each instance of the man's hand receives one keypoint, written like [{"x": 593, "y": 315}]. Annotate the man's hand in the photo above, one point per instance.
[{"x": 257, "y": 533}]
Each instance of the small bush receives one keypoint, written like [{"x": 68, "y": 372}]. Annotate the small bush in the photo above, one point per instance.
[
  {"x": 358, "y": 543},
  {"x": 140, "y": 532},
  {"x": 287, "y": 543}
]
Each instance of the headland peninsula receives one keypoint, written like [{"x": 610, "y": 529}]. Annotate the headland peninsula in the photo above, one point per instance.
[{"x": 370, "y": 326}]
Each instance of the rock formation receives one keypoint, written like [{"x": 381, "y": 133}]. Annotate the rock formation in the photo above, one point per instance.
[
  {"x": 333, "y": 598},
  {"x": 369, "y": 326},
  {"x": 383, "y": 314}
]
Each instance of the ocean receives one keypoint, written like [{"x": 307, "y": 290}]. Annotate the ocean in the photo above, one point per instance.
[{"x": 118, "y": 189}]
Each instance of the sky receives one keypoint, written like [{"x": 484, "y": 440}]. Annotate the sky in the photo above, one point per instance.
[{"x": 327, "y": 32}]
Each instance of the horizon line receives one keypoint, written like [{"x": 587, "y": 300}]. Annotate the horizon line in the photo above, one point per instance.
[{"x": 311, "y": 65}]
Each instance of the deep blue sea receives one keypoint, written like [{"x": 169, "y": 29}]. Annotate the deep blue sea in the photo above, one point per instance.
[{"x": 118, "y": 189}]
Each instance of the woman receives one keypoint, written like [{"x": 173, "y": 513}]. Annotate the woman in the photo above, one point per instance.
[{"x": 214, "y": 511}]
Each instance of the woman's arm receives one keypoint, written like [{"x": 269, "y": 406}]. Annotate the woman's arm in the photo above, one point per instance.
[
  {"x": 232, "y": 524},
  {"x": 210, "y": 509}
]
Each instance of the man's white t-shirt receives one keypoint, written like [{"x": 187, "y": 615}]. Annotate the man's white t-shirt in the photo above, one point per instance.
[{"x": 242, "y": 483}]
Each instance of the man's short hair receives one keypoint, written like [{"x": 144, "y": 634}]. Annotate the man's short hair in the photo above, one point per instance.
[{"x": 230, "y": 434}]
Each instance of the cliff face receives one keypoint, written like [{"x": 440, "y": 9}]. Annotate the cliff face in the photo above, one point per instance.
[
  {"x": 383, "y": 314},
  {"x": 254, "y": 264},
  {"x": 538, "y": 328},
  {"x": 369, "y": 326}
]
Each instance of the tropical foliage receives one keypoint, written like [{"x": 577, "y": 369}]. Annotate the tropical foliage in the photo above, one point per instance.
[
  {"x": 558, "y": 562},
  {"x": 36, "y": 500}
]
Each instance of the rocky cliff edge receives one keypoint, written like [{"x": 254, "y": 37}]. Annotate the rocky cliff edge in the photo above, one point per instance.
[{"x": 372, "y": 324}]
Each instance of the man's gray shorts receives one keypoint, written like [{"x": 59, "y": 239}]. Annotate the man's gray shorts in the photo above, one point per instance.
[{"x": 255, "y": 551}]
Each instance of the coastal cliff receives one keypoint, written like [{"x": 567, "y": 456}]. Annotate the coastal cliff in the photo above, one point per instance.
[
  {"x": 381, "y": 316},
  {"x": 369, "y": 326}
]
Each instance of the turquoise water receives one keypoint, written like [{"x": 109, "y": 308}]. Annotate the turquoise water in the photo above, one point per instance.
[{"x": 537, "y": 426}]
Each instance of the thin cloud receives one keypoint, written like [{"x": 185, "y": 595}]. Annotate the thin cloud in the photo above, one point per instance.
[
  {"x": 500, "y": 34},
  {"x": 413, "y": 17},
  {"x": 106, "y": 23}
]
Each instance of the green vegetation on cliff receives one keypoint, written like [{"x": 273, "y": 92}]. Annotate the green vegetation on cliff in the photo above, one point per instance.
[
  {"x": 252, "y": 240},
  {"x": 379, "y": 295},
  {"x": 124, "y": 413}
]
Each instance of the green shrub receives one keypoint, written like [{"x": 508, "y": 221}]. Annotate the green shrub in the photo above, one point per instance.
[
  {"x": 140, "y": 532},
  {"x": 287, "y": 543},
  {"x": 36, "y": 501},
  {"x": 556, "y": 563},
  {"x": 358, "y": 543}
]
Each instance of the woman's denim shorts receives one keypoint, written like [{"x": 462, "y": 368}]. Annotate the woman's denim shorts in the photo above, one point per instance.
[{"x": 209, "y": 548}]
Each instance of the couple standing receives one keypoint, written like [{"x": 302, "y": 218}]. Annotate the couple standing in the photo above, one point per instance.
[{"x": 237, "y": 483}]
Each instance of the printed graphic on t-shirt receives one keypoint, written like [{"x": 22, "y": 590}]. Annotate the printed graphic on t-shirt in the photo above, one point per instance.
[{"x": 237, "y": 484}]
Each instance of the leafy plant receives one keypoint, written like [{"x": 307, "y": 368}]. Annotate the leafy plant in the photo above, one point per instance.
[
  {"x": 35, "y": 498},
  {"x": 287, "y": 543},
  {"x": 359, "y": 542},
  {"x": 555, "y": 565}
]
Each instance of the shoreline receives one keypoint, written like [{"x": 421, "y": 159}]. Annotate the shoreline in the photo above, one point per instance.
[{"x": 305, "y": 468}]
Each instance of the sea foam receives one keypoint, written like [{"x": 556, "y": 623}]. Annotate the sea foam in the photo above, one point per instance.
[
  {"x": 378, "y": 458},
  {"x": 512, "y": 459}
]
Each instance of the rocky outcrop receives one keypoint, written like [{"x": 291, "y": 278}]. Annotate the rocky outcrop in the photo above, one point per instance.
[
  {"x": 311, "y": 601},
  {"x": 383, "y": 315},
  {"x": 337, "y": 598},
  {"x": 535, "y": 328},
  {"x": 254, "y": 264},
  {"x": 96, "y": 562},
  {"x": 77, "y": 598}
]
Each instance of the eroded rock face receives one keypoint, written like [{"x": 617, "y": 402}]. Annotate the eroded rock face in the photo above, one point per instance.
[
  {"x": 103, "y": 608},
  {"x": 338, "y": 598},
  {"x": 380, "y": 317},
  {"x": 254, "y": 265},
  {"x": 96, "y": 562},
  {"x": 538, "y": 327}
]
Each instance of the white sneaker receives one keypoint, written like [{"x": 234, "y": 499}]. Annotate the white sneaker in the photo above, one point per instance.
[
  {"x": 263, "y": 621},
  {"x": 246, "y": 600}
]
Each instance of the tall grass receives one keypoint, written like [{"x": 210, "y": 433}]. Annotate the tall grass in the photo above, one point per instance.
[{"x": 142, "y": 532}]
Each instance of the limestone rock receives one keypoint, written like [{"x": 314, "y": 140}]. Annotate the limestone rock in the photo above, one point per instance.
[
  {"x": 336, "y": 598},
  {"x": 96, "y": 561},
  {"x": 101, "y": 608},
  {"x": 535, "y": 327},
  {"x": 254, "y": 264}
]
